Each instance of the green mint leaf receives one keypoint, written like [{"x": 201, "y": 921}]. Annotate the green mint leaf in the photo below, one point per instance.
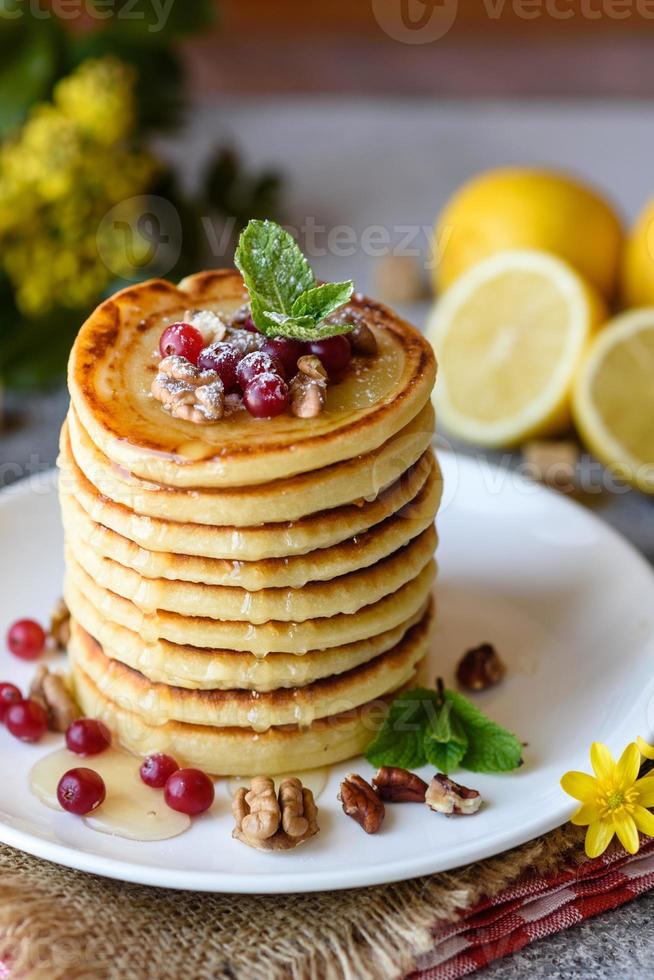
[
  {"x": 400, "y": 741},
  {"x": 284, "y": 297},
  {"x": 320, "y": 301},
  {"x": 445, "y": 739},
  {"x": 274, "y": 270},
  {"x": 491, "y": 748}
]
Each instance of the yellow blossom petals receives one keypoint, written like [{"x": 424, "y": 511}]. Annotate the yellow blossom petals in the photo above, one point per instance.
[
  {"x": 602, "y": 761},
  {"x": 587, "y": 813},
  {"x": 625, "y": 828},
  {"x": 645, "y": 788},
  {"x": 645, "y": 749},
  {"x": 629, "y": 764},
  {"x": 644, "y": 820},
  {"x": 580, "y": 785},
  {"x": 598, "y": 838}
]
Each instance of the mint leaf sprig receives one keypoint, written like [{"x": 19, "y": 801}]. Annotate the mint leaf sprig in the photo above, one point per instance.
[
  {"x": 443, "y": 729},
  {"x": 286, "y": 301}
]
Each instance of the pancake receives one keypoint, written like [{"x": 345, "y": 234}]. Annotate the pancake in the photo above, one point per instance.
[
  {"x": 361, "y": 551},
  {"x": 271, "y": 637},
  {"x": 324, "y": 529},
  {"x": 198, "y": 668},
  {"x": 116, "y": 350},
  {"x": 290, "y": 499},
  {"x": 344, "y": 595},
  {"x": 238, "y": 751},
  {"x": 160, "y": 703}
]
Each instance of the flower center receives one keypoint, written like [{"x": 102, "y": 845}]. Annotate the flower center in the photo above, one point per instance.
[{"x": 616, "y": 800}]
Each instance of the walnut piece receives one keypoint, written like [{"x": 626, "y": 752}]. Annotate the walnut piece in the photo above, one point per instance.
[
  {"x": 360, "y": 802},
  {"x": 50, "y": 690},
  {"x": 446, "y": 796},
  {"x": 362, "y": 340},
  {"x": 60, "y": 625},
  {"x": 395, "y": 785},
  {"x": 308, "y": 388},
  {"x": 480, "y": 668},
  {"x": 187, "y": 392},
  {"x": 274, "y": 822}
]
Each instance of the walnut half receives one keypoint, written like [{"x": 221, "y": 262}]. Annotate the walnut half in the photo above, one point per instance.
[
  {"x": 187, "y": 392},
  {"x": 360, "y": 801},
  {"x": 446, "y": 796},
  {"x": 50, "y": 690},
  {"x": 274, "y": 822}
]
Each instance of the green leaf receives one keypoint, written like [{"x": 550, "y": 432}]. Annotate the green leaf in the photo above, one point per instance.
[
  {"x": 274, "y": 270},
  {"x": 29, "y": 56},
  {"x": 320, "y": 301},
  {"x": 491, "y": 748},
  {"x": 445, "y": 739},
  {"x": 301, "y": 328},
  {"x": 400, "y": 741}
]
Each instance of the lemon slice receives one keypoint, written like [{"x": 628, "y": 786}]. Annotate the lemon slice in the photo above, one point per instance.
[
  {"x": 614, "y": 397},
  {"x": 509, "y": 336}
]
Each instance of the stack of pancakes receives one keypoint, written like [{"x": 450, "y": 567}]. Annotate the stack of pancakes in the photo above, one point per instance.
[{"x": 246, "y": 595}]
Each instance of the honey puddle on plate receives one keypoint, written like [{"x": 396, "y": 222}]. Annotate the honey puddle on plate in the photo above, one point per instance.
[{"x": 131, "y": 809}]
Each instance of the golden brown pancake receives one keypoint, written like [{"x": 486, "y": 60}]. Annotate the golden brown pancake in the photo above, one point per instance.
[{"x": 116, "y": 350}]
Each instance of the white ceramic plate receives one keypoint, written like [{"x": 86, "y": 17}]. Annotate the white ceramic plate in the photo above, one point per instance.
[{"x": 568, "y": 604}]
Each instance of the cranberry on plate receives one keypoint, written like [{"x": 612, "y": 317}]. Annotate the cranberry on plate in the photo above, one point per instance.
[
  {"x": 156, "y": 769},
  {"x": 335, "y": 354},
  {"x": 26, "y": 639},
  {"x": 189, "y": 791},
  {"x": 27, "y": 720},
  {"x": 9, "y": 694},
  {"x": 87, "y": 736},
  {"x": 182, "y": 339},
  {"x": 81, "y": 791},
  {"x": 266, "y": 395}
]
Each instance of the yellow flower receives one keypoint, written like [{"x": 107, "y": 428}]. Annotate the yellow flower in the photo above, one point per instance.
[{"x": 613, "y": 801}]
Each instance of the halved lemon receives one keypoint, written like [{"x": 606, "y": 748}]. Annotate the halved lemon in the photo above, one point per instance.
[
  {"x": 613, "y": 400},
  {"x": 509, "y": 336}
]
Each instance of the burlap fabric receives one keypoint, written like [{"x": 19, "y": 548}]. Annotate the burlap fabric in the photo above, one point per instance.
[{"x": 56, "y": 923}]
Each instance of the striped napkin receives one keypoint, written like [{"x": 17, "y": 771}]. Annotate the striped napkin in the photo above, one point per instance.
[{"x": 536, "y": 907}]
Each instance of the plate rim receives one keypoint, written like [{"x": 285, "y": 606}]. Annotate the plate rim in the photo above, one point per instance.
[{"x": 295, "y": 882}]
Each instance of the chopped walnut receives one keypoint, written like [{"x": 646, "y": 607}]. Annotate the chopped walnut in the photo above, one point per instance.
[
  {"x": 480, "y": 668},
  {"x": 50, "y": 690},
  {"x": 446, "y": 796},
  {"x": 187, "y": 392},
  {"x": 395, "y": 785},
  {"x": 60, "y": 625},
  {"x": 308, "y": 387},
  {"x": 274, "y": 822},
  {"x": 361, "y": 802}
]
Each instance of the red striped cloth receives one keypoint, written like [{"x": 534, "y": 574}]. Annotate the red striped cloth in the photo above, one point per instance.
[{"x": 536, "y": 907}]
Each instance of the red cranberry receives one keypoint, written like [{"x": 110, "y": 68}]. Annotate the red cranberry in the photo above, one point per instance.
[
  {"x": 335, "y": 354},
  {"x": 156, "y": 769},
  {"x": 223, "y": 359},
  {"x": 256, "y": 363},
  {"x": 87, "y": 736},
  {"x": 182, "y": 339},
  {"x": 189, "y": 791},
  {"x": 9, "y": 694},
  {"x": 266, "y": 396},
  {"x": 27, "y": 720},
  {"x": 286, "y": 351},
  {"x": 81, "y": 790},
  {"x": 247, "y": 324},
  {"x": 26, "y": 639}
]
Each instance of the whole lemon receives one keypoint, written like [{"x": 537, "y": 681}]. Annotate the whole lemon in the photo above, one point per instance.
[
  {"x": 637, "y": 272},
  {"x": 517, "y": 207}
]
